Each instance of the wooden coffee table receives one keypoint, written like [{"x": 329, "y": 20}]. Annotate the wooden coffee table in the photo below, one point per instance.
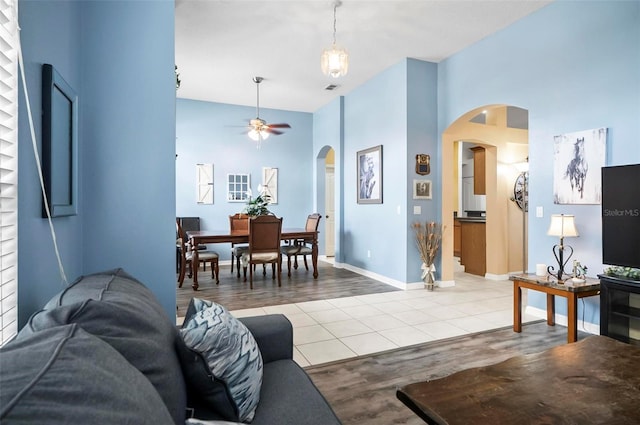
[{"x": 594, "y": 381}]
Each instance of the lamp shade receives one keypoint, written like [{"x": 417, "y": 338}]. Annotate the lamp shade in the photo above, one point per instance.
[
  {"x": 562, "y": 225},
  {"x": 334, "y": 62}
]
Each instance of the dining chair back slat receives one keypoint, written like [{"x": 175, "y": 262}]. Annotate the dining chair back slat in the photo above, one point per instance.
[
  {"x": 238, "y": 222},
  {"x": 301, "y": 246},
  {"x": 264, "y": 245}
]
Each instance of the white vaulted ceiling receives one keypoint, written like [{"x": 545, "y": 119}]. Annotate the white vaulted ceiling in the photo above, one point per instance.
[{"x": 222, "y": 44}]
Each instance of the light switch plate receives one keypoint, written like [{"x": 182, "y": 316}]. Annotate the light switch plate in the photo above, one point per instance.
[
  {"x": 539, "y": 212},
  {"x": 417, "y": 210}
]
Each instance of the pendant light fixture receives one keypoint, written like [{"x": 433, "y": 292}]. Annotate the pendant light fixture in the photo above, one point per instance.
[{"x": 335, "y": 61}]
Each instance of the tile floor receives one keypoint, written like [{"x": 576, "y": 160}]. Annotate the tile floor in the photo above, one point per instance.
[{"x": 341, "y": 328}]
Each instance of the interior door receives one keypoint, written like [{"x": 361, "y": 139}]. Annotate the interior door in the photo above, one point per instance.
[{"x": 329, "y": 202}]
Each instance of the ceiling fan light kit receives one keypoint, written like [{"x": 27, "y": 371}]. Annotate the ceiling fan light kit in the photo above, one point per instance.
[
  {"x": 335, "y": 61},
  {"x": 259, "y": 130}
]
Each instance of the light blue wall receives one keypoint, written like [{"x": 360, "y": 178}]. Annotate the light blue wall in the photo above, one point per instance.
[
  {"x": 328, "y": 132},
  {"x": 375, "y": 114},
  {"x": 49, "y": 35},
  {"x": 574, "y": 66},
  {"x": 214, "y": 133},
  {"x": 422, "y": 137},
  {"x": 119, "y": 57}
]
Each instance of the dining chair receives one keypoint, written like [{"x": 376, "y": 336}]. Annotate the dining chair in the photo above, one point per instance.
[
  {"x": 300, "y": 246},
  {"x": 187, "y": 224},
  {"x": 238, "y": 222},
  {"x": 187, "y": 258},
  {"x": 264, "y": 246}
]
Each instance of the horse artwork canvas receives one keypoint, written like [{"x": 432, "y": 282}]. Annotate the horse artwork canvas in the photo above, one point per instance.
[{"x": 577, "y": 159}]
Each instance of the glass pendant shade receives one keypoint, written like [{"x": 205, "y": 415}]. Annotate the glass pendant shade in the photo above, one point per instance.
[
  {"x": 258, "y": 135},
  {"x": 335, "y": 61}
]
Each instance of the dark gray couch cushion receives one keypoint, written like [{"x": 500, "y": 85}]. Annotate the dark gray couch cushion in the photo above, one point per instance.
[
  {"x": 124, "y": 313},
  {"x": 64, "y": 375},
  {"x": 289, "y": 396}
]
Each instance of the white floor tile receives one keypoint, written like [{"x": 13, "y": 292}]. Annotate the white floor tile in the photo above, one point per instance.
[
  {"x": 340, "y": 328},
  {"x": 382, "y": 322},
  {"x": 360, "y": 311},
  {"x": 393, "y": 307},
  {"x": 299, "y": 358},
  {"x": 328, "y": 316},
  {"x": 307, "y": 334},
  {"x": 248, "y": 312},
  {"x": 498, "y": 318},
  {"x": 374, "y": 298},
  {"x": 345, "y": 302},
  {"x": 472, "y": 308},
  {"x": 440, "y": 330},
  {"x": 415, "y": 317},
  {"x": 421, "y": 302},
  {"x": 472, "y": 324},
  {"x": 301, "y": 319},
  {"x": 406, "y": 336},
  {"x": 368, "y": 343},
  {"x": 347, "y": 328},
  {"x": 326, "y": 351},
  {"x": 310, "y": 306},
  {"x": 283, "y": 309},
  {"x": 444, "y": 312}
]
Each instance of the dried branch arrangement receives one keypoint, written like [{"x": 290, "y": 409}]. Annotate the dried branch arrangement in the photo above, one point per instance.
[{"x": 428, "y": 238}]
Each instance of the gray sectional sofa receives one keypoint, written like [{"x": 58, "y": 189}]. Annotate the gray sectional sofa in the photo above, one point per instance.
[{"x": 104, "y": 351}]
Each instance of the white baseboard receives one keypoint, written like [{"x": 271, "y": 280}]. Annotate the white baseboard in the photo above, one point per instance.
[
  {"x": 446, "y": 283},
  {"x": 561, "y": 319},
  {"x": 392, "y": 282}
]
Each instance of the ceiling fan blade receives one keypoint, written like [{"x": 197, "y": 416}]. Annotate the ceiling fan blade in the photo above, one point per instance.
[
  {"x": 274, "y": 132},
  {"x": 282, "y": 125}
]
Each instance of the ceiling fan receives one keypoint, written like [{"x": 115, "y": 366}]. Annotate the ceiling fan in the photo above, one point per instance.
[{"x": 259, "y": 130}]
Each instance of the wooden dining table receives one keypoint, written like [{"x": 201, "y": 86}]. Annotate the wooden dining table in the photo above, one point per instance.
[{"x": 201, "y": 237}]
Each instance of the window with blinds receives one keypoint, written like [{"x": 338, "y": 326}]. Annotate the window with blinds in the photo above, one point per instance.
[{"x": 8, "y": 170}]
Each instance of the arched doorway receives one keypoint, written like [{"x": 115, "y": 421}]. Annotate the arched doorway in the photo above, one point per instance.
[
  {"x": 502, "y": 131},
  {"x": 325, "y": 201}
]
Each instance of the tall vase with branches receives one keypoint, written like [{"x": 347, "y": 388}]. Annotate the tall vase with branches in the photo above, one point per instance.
[{"x": 428, "y": 239}]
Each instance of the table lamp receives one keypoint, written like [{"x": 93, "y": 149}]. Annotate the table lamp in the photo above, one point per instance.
[{"x": 563, "y": 226}]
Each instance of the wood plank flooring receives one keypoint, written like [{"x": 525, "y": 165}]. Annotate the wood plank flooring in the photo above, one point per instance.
[
  {"x": 363, "y": 390},
  {"x": 234, "y": 293}
]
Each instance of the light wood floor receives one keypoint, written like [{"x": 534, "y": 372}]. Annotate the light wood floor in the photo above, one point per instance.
[{"x": 234, "y": 293}]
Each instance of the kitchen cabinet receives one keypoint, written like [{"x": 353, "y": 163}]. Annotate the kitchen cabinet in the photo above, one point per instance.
[
  {"x": 479, "y": 181},
  {"x": 473, "y": 246},
  {"x": 456, "y": 237}
]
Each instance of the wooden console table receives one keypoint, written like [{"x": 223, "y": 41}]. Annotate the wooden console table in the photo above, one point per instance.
[
  {"x": 570, "y": 290},
  {"x": 594, "y": 381}
]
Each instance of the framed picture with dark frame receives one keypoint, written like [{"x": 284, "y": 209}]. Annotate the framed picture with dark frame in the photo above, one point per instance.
[
  {"x": 421, "y": 189},
  {"x": 369, "y": 175},
  {"x": 59, "y": 144}
]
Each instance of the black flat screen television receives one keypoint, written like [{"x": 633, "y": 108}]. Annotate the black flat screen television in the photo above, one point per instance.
[{"x": 621, "y": 215}]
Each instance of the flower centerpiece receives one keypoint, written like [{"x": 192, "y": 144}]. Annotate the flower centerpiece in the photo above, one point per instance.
[
  {"x": 258, "y": 206},
  {"x": 428, "y": 238}
]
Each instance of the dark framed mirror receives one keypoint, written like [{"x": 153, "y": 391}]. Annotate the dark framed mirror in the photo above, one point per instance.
[{"x": 59, "y": 144}]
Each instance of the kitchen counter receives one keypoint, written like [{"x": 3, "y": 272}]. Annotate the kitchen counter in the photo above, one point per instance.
[{"x": 474, "y": 219}]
